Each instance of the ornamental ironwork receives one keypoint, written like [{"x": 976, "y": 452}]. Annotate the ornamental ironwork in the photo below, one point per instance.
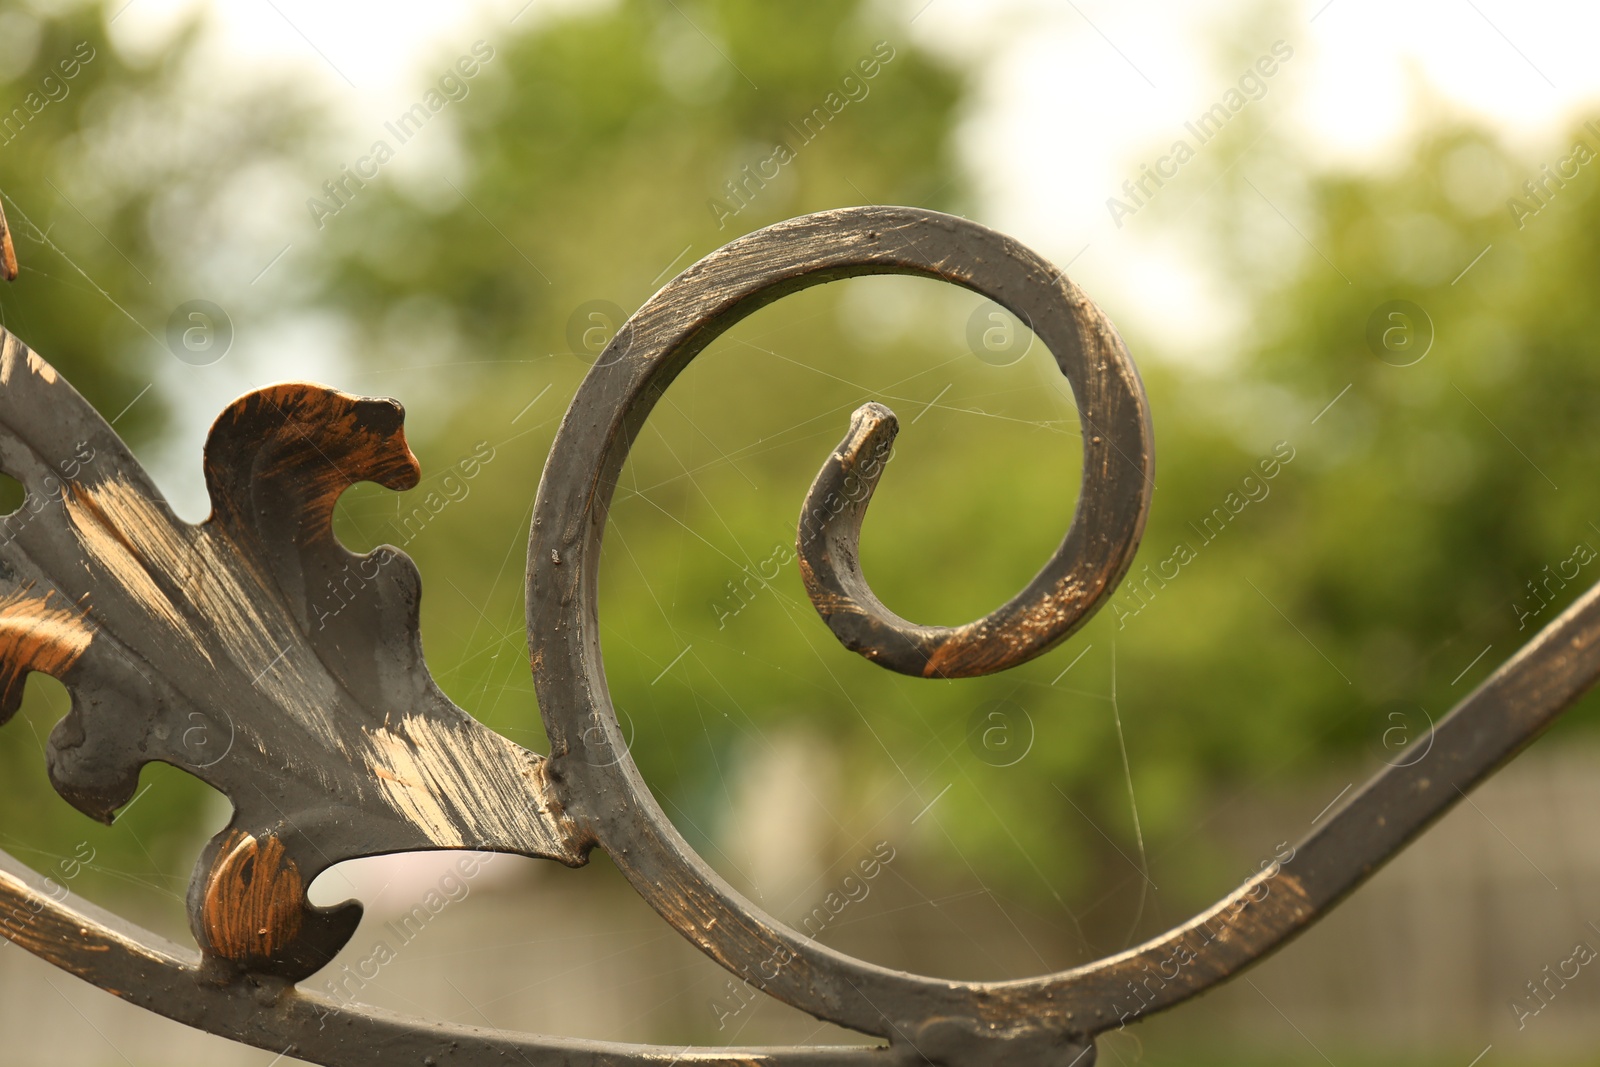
[{"x": 340, "y": 745}]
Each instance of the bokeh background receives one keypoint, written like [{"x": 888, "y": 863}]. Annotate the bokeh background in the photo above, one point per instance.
[{"x": 1373, "y": 279}]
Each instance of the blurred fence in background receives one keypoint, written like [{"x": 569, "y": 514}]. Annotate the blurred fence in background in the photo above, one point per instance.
[{"x": 1473, "y": 938}]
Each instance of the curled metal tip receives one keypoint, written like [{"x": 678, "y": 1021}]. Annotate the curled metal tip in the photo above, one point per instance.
[
  {"x": 8, "y": 253},
  {"x": 1073, "y": 583}
]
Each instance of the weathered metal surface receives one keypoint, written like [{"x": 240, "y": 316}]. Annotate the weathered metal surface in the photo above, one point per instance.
[
  {"x": 1112, "y": 502},
  {"x": 255, "y": 652},
  {"x": 8, "y": 253},
  {"x": 252, "y": 651}
]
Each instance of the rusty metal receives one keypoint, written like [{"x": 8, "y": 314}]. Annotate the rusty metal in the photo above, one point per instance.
[
  {"x": 8, "y": 253},
  {"x": 258, "y": 654}
]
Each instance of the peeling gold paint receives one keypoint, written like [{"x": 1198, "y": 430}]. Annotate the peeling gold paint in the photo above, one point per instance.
[
  {"x": 9, "y": 351},
  {"x": 47, "y": 934},
  {"x": 101, "y": 522},
  {"x": 253, "y": 899},
  {"x": 13, "y": 352},
  {"x": 135, "y": 539},
  {"x": 33, "y": 629},
  {"x": 462, "y": 784},
  {"x": 37, "y": 633},
  {"x": 41, "y": 368}
]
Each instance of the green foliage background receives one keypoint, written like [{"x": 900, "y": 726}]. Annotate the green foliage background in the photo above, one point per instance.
[{"x": 1391, "y": 550}]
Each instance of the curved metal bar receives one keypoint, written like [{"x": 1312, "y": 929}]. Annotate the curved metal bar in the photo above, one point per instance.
[
  {"x": 271, "y": 1014},
  {"x": 585, "y": 794},
  {"x": 1034, "y": 1020},
  {"x": 1504, "y": 715},
  {"x": 940, "y": 1020},
  {"x": 1091, "y": 559},
  {"x": 606, "y": 796}
]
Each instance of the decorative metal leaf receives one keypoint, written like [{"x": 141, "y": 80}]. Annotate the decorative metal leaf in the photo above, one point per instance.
[{"x": 251, "y": 650}]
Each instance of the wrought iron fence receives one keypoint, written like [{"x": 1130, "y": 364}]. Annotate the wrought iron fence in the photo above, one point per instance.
[{"x": 338, "y": 743}]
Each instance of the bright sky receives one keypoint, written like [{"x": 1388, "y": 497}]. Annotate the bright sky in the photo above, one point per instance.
[
  {"x": 1077, "y": 95},
  {"x": 1074, "y": 94}
]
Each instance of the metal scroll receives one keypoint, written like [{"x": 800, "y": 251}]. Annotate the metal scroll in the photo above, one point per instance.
[{"x": 343, "y": 746}]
